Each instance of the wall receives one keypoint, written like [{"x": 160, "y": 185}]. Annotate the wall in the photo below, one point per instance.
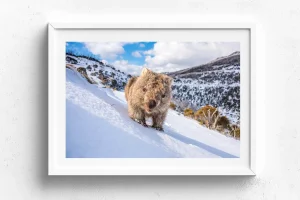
[{"x": 23, "y": 105}]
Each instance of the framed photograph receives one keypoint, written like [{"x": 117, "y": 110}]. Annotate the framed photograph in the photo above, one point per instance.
[{"x": 152, "y": 99}]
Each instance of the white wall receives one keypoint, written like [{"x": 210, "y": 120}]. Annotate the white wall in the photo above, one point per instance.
[{"x": 23, "y": 105}]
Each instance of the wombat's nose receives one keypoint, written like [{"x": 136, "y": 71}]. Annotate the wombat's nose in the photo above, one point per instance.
[{"x": 152, "y": 104}]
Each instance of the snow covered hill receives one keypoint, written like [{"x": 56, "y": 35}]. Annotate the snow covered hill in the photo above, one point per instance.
[
  {"x": 98, "y": 127},
  {"x": 98, "y": 71},
  {"x": 216, "y": 83}
]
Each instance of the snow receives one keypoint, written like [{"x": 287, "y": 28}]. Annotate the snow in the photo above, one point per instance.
[
  {"x": 93, "y": 69},
  {"x": 98, "y": 126}
]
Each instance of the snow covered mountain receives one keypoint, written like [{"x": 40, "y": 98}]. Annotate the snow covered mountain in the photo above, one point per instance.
[
  {"x": 98, "y": 126},
  {"x": 96, "y": 71},
  {"x": 216, "y": 83}
]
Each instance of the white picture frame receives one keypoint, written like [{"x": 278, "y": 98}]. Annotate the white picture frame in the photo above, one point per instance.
[{"x": 59, "y": 165}]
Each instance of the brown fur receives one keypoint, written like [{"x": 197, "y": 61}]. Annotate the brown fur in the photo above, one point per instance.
[{"x": 141, "y": 93}]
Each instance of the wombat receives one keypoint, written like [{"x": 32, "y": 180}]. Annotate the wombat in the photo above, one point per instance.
[{"x": 149, "y": 95}]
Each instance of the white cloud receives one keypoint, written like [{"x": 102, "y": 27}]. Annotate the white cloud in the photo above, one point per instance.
[
  {"x": 172, "y": 56},
  {"x": 106, "y": 50},
  {"x": 136, "y": 54},
  {"x": 165, "y": 56},
  {"x": 124, "y": 66}
]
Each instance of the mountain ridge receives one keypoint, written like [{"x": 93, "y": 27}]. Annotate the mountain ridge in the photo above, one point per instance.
[{"x": 233, "y": 58}]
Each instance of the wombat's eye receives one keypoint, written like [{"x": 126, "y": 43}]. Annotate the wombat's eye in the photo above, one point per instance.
[
  {"x": 163, "y": 96},
  {"x": 144, "y": 89}
]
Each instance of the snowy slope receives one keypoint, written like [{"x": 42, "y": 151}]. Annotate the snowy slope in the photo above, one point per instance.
[{"x": 98, "y": 127}]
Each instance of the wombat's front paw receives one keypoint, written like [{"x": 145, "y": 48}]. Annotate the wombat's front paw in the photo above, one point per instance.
[
  {"x": 158, "y": 128},
  {"x": 143, "y": 123},
  {"x": 140, "y": 122}
]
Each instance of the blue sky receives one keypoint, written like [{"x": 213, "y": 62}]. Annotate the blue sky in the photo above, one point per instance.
[
  {"x": 131, "y": 57},
  {"x": 129, "y": 48},
  {"x": 139, "y": 46},
  {"x": 79, "y": 48}
]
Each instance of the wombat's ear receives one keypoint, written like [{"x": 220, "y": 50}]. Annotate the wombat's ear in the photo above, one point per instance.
[
  {"x": 145, "y": 71},
  {"x": 168, "y": 80}
]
